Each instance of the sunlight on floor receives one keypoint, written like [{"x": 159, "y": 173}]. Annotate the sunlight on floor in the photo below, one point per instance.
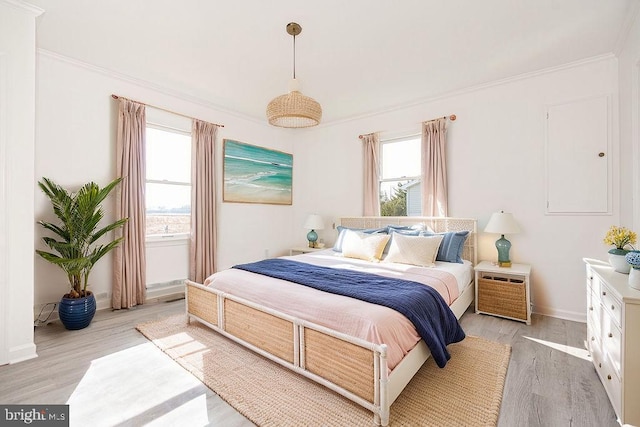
[
  {"x": 136, "y": 386},
  {"x": 191, "y": 413},
  {"x": 572, "y": 351}
]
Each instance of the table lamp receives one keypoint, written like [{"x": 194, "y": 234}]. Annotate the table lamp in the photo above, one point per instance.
[
  {"x": 502, "y": 223},
  {"x": 313, "y": 223}
]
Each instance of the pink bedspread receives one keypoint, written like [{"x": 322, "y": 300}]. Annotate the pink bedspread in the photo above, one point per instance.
[{"x": 371, "y": 322}]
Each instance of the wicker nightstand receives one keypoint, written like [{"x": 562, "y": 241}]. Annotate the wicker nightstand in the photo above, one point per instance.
[{"x": 503, "y": 291}]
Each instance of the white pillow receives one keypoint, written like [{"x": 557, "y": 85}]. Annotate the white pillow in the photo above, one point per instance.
[
  {"x": 364, "y": 246},
  {"x": 414, "y": 250}
]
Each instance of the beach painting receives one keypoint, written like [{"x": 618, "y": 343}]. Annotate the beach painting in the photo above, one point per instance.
[{"x": 255, "y": 174}]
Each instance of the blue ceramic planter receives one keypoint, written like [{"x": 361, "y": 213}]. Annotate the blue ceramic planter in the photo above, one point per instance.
[
  {"x": 77, "y": 313},
  {"x": 633, "y": 259}
]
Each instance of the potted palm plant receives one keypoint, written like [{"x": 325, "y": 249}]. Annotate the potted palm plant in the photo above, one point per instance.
[{"x": 75, "y": 247}]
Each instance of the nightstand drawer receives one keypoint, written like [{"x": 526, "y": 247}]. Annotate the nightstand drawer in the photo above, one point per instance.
[{"x": 502, "y": 295}]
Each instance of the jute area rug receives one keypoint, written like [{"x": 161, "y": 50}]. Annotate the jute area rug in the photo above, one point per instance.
[{"x": 467, "y": 392}]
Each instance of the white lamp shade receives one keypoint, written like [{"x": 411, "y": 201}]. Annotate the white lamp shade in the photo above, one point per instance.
[
  {"x": 502, "y": 223},
  {"x": 314, "y": 222}
]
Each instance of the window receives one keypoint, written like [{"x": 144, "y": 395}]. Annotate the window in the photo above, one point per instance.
[
  {"x": 168, "y": 183},
  {"x": 400, "y": 190}
]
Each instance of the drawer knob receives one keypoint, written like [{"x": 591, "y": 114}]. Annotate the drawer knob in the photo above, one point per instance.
[
  {"x": 613, "y": 307},
  {"x": 604, "y": 293},
  {"x": 590, "y": 277},
  {"x": 610, "y": 335},
  {"x": 591, "y": 308},
  {"x": 608, "y": 377},
  {"x": 593, "y": 338},
  {"x": 599, "y": 365}
]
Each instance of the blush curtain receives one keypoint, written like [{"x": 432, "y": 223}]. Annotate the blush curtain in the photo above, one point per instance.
[
  {"x": 371, "y": 147},
  {"x": 202, "y": 250},
  {"x": 129, "y": 268},
  {"x": 434, "y": 168}
]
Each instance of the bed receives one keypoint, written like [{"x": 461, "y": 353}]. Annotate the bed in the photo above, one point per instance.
[{"x": 368, "y": 368}]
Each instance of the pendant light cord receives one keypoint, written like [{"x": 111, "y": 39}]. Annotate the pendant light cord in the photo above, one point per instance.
[{"x": 294, "y": 56}]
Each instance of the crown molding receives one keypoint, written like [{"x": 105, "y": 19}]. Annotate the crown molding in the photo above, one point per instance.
[
  {"x": 208, "y": 104},
  {"x": 148, "y": 85},
  {"x": 24, "y": 6},
  {"x": 474, "y": 88}
]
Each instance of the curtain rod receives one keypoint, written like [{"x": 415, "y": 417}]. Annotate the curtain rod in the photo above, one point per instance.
[
  {"x": 452, "y": 117},
  {"x": 163, "y": 109}
]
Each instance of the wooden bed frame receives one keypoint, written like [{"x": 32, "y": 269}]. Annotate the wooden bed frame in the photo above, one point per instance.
[{"x": 350, "y": 366}]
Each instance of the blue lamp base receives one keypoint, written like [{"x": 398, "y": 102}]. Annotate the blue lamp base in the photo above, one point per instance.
[
  {"x": 312, "y": 237},
  {"x": 503, "y": 246}
]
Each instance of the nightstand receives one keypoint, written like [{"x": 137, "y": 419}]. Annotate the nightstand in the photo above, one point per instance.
[
  {"x": 304, "y": 250},
  {"x": 504, "y": 291}
]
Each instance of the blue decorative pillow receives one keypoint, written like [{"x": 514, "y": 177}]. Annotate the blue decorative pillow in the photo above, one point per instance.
[
  {"x": 391, "y": 228},
  {"x": 451, "y": 246},
  {"x": 341, "y": 232}
]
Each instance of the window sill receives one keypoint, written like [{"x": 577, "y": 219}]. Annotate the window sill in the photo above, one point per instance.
[{"x": 167, "y": 239}]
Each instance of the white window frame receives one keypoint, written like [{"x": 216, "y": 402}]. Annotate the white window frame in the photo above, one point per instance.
[{"x": 150, "y": 238}]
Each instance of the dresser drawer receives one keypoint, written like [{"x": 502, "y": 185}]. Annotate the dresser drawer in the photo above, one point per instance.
[
  {"x": 609, "y": 379},
  {"x": 594, "y": 309},
  {"x": 612, "y": 343},
  {"x": 593, "y": 282},
  {"x": 611, "y": 304},
  {"x": 593, "y": 339},
  {"x": 594, "y": 322}
]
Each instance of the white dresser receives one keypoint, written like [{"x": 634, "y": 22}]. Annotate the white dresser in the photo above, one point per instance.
[{"x": 613, "y": 337}]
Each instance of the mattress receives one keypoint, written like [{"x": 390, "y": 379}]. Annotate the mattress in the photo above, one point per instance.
[{"x": 371, "y": 322}]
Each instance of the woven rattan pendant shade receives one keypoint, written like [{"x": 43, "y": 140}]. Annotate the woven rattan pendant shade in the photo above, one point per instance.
[{"x": 294, "y": 110}]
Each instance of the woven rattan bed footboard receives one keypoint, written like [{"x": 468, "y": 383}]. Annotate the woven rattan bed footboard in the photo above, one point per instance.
[{"x": 350, "y": 366}]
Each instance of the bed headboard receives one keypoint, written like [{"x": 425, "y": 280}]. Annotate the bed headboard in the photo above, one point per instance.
[{"x": 437, "y": 224}]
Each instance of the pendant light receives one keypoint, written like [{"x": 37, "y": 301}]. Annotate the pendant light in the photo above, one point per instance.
[{"x": 294, "y": 110}]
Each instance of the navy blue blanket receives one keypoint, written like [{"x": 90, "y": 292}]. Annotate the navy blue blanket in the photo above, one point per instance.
[{"x": 421, "y": 304}]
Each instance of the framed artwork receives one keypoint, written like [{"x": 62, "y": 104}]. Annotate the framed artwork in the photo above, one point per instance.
[{"x": 255, "y": 174}]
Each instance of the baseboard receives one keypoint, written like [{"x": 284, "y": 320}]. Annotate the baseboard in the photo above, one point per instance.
[
  {"x": 103, "y": 302},
  {"x": 165, "y": 292},
  {"x": 561, "y": 314},
  {"x": 22, "y": 352}
]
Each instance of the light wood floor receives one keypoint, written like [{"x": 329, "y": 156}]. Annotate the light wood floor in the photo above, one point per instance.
[{"x": 112, "y": 376}]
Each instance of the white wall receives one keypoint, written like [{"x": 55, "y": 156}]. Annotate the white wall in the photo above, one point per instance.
[
  {"x": 629, "y": 82},
  {"x": 17, "y": 106},
  {"x": 495, "y": 161},
  {"x": 75, "y": 143}
]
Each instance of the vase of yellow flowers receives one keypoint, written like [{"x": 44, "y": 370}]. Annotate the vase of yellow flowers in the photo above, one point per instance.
[{"x": 621, "y": 238}]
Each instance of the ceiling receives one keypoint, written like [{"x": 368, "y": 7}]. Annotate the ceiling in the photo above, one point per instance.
[{"x": 355, "y": 57}]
